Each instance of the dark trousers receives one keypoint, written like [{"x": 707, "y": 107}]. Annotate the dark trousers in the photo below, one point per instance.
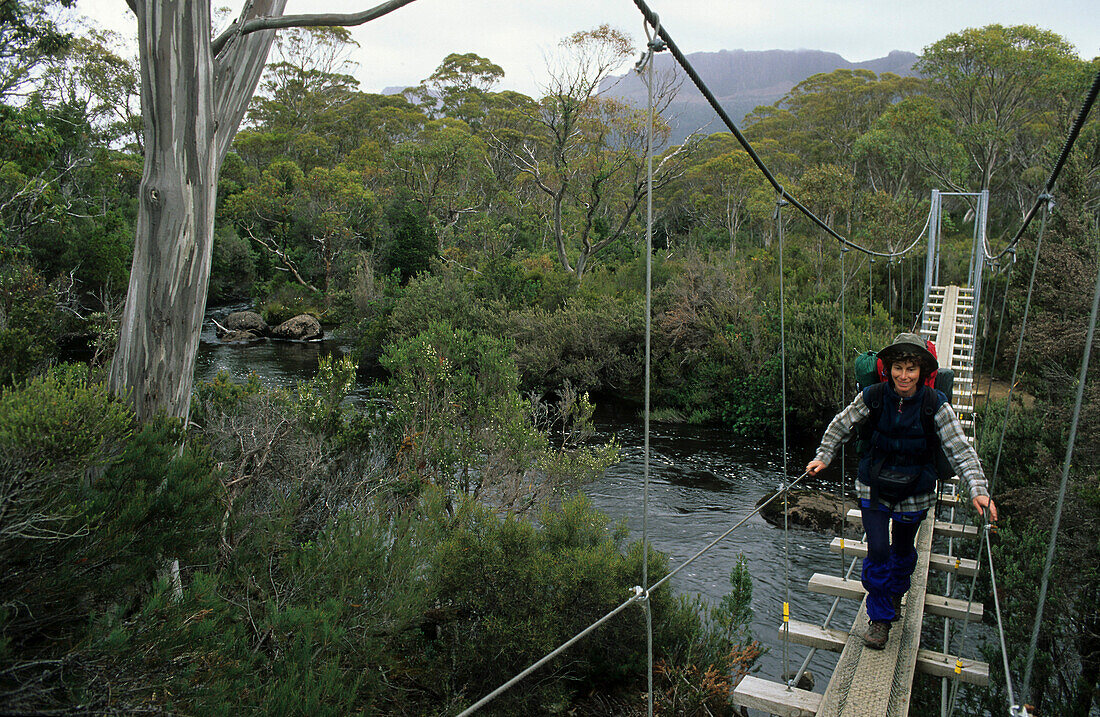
[{"x": 889, "y": 563}]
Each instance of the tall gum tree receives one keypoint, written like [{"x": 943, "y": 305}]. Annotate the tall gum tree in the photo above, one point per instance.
[
  {"x": 194, "y": 93},
  {"x": 994, "y": 83}
]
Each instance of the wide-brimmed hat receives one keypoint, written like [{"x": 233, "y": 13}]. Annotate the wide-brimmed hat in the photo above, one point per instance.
[{"x": 909, "y": 344}]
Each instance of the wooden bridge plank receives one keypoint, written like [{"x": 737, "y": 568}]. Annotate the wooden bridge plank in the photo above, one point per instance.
[
  {"x": 811, "y": 635},
  {"x": 775, "y": 698},
  {"x": 943, "y": 528},
  {"x": 938, "y": 664},
  {"x": 943, "y": 563},
  {"x": 938, "y": 605}
]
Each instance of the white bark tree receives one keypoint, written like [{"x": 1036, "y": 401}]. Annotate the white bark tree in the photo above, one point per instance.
[{"x": 194, "y": 92}]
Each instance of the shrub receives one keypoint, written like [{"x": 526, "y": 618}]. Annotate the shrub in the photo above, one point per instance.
[
  {"x": 440, "y": 297},
  {"x": 285, "y": 301},
  {"x": 92, "y": 509},
  {"x": 596, "y": 345},
  {"x": 463, "y": 426},
  {"x": 29, "y": 323}
]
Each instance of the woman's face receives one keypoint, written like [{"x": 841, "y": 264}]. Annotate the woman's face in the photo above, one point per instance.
[{"x": 906, "y": 377}]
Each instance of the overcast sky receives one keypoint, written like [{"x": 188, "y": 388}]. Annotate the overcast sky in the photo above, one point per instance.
[{"x": 405, "y": 46}]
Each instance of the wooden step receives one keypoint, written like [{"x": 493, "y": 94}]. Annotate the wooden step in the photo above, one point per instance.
[
  {"x": 954, "y": 608},
  {"x": 938, "y": 664},
  {"x": 810, "y": 635},
  {"x": 947, "y": 499},
  {"x": 947, "y": 564},
  {"x": 943, "y": 563},
  {"x": 955, "y": 530},
  {"x": 974, "y": 672},
  {"x": 775, "y": 698},
  {"x": 949, "y": 530},
  {"x": 938, "y": 605}
]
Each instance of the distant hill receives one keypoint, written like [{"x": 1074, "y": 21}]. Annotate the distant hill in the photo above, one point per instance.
[{"x": 743, "y": 80}]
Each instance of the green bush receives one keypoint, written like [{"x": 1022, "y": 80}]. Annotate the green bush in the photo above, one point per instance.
[
  {"x": 233, "y": 266},
  {"x": 29, "y": 323},
  {"x": 462, "y": 425},
  {"x": 416, "y": 614},
  {"x": 92, "y": 509},
  {"x": 284, "y": 301},
  {"x": 596, "y": 345},
  {"x": 437, "y": 297}
]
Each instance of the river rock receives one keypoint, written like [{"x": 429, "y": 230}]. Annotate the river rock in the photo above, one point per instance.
[
  {"x": 805, "y": 681},
  {"x": 246, "y": 321},
  {"x": 241, "y": 337},
  {"x": 301, "y": 328},
  {"x": 808, "y": 508}
]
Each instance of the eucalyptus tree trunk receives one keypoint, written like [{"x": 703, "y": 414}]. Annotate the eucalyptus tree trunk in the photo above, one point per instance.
[
  {"x": 194, "y": 93},
  {"x": 192, "y": 104}
]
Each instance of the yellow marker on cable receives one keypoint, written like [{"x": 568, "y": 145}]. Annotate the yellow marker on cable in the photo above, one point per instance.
[
  {"x": 958, "y": 666},
  {"x": 786, "y": 612}
]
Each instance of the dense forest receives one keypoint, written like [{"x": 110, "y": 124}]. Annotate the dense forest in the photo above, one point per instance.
[{"x": 484, "y": 253}]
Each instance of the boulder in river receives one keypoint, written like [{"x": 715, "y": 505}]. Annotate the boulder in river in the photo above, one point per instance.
[
  {"x": 300, "y": 328},
  {"x": 241, "y": 337},
  {"x": 245, "y": 321},
  {"x": 809, "y": 508}
]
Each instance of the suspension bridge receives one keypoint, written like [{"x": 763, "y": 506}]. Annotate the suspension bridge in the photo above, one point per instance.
[
  {"x": 877, "y": 682},
  {"x": 866, "y": 681}
]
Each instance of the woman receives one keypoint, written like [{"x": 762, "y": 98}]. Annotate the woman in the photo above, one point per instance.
[{"x": 897, "y": 474}]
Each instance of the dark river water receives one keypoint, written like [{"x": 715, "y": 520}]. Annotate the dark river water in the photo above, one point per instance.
[{"x": 702, "y": 481}]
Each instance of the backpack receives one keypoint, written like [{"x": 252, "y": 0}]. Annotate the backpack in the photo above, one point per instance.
[{"x": 870, "y": 372}]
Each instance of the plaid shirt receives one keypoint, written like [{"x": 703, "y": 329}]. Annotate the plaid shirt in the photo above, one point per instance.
[{"x": 960, "y": 454}]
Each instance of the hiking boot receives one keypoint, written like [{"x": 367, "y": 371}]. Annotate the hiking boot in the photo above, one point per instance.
[
  {"x": 877, "y": 635},
  {"x": 897, "y": 608}
]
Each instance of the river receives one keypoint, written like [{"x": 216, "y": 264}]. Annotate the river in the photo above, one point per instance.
[{"x": 702, "y": 481}]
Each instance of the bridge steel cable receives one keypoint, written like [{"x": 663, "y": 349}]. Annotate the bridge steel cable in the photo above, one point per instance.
[
  {"x": 1048, "y": 188},
  {"x": 654, "y": 21},
  {"x": 638, "y": 596},
  {"x": 1081, "y": 378},
  {"x": 1020, "y": 343},
  {"x": 1014, "y": 708},
  {"x": 653, "y": 47},
  {"x": 779, "y": 204}
]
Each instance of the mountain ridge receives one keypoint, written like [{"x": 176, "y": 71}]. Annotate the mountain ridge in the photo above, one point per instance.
[{"x": 743, "y": 80}]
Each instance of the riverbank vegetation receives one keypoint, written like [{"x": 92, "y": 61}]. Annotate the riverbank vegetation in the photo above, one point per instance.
[{"x": 483, "y": 251}]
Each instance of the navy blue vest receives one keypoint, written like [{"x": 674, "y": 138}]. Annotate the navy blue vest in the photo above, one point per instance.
[{"x": 899, "y": 444}]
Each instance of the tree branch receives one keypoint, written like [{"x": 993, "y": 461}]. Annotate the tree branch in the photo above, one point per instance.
[{"x": 311, "y": 20}]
